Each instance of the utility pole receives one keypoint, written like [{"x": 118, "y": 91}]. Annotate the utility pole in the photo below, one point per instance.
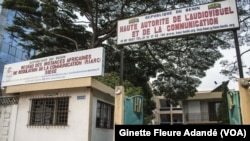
[
  {"x": 121, "y": 64},
  {"x": 237, "y": 48}
]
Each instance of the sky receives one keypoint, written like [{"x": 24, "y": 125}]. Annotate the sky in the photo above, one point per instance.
[{"x": 213, "y": 74}]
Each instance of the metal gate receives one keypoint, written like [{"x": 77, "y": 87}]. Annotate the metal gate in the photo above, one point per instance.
[
  {"x": 234, "y": 108},
  {"x": 133, "y": 110}
]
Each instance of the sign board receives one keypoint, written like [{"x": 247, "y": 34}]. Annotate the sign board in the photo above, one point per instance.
[
  {"x": 64, "y": 66},
  {"x": 191, "y": 20}
]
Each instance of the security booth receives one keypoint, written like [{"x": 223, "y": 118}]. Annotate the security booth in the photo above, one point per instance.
[
  {"x": 59, "y": 99},
  {"x": 74, "y": 109}
]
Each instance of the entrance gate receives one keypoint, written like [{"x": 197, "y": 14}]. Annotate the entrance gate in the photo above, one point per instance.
[
  {"x": 234, "y": 108},
  {"x": 133, "y": 110}
]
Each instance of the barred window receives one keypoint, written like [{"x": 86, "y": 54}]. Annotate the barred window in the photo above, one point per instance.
[
  {"x": 104, "y": 115},
  {"x": 49, "y": 111}
]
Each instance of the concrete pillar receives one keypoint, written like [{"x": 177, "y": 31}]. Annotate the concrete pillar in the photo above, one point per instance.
[
  {"x": 244, "y": 90},
  {"x": 119, "y": 105}
]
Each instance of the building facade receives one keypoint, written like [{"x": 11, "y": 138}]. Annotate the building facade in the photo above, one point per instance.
[
  {"x": 200, "y": 109},
  {"x": 166, "y": 113}
]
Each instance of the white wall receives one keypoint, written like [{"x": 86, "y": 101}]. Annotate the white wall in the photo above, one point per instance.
[
  {"x": 204, "y": 109},
  {"x": 77, "y": 129},
  {"x": 194, "y": 108},
  {"x": 7, "y": 122}
]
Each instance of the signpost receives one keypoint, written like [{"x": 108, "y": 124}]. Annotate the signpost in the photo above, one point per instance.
[
  {"x": 209, "y": 17},
  {"x": 199, "y": 19}
]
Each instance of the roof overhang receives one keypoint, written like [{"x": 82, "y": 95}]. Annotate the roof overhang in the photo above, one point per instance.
[
  {"x": 206, "y": 95},
  {"x": 60, "y": 84}
]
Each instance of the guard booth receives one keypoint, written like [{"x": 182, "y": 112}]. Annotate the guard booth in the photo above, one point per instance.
[
  {"x": 133, "y": 110},
  {"x": 58, "y": 99}
]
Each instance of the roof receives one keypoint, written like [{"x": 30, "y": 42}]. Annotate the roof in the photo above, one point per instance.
[
  {"x": 206, "y": 96},
  {"x": 220, "y": 87}
]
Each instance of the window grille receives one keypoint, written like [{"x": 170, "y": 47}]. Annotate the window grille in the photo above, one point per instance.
[
  {"x": 9, "y": 100},
  {"x": 104, "y": 115},
  {"x": 49, "y": 111}
]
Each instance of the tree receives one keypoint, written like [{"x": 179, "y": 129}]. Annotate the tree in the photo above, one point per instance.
[
  {"x": 54, "y": 27},
  {"x": 230, "y": 68},
  {"x": 112, "y": 79},
  {"x": 179, "y": 75},
  {"x": 47, "y": 27},
  {"x": 223, "y": 110}
]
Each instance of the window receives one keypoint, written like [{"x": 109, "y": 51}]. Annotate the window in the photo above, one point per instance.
[
  {"x": 213, "y": 108},
  {"x": 49, "y": 111},
  {"x": 164, "y": 104},
  {"x": 165, "y": 118},
  {"x": 104, "y": 115},
  {"x": 177, "y": 118}
]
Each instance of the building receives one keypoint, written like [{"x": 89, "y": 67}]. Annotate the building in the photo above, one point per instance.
[
  {"x": 10, "y": 51},
  {"x": 57, "y": 98},
  {"x": 200, "y": 109},
  {"x": 80, "y": 109},
  {"x": 166, "y": 113}
]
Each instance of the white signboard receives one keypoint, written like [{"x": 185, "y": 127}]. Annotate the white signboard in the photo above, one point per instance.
[
  {"x": 197, "y": 19},
  {"x": 64, "y": 66}
]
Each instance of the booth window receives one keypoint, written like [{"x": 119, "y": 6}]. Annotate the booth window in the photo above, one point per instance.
[
  {"x": 104, "y": 115},
  {"x": 49, "y": 111}
]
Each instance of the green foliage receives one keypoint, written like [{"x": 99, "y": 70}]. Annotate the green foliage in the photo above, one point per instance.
[
  {"x": 112, "y": 79},
  {"x": 25, "y": 6},
  {"x": 47, "y": 27},
  {"x": 185, "y": 61},
  {"x": 230, "y": 67},
  {"x": 223, "y": 108}
]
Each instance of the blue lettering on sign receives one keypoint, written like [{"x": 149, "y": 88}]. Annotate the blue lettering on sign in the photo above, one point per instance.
[
  {"x": 178, "y": 11},
  {"x": 167, "y": 13},
  {"x": 192, "y": 8},
  {"x": 81, "y": 97}
]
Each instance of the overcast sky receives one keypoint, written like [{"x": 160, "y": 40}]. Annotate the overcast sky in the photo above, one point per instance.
[{"x": 213, "y": 74}]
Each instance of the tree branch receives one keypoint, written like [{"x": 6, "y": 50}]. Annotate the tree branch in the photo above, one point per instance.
[{"x": 59, "y": 35}]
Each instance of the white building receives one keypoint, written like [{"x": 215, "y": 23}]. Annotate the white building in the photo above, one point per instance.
[
  {"x": 79, "y": 109},
  {"x": 8, "y": 112},
  {"x": 202, "y": 108}
]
